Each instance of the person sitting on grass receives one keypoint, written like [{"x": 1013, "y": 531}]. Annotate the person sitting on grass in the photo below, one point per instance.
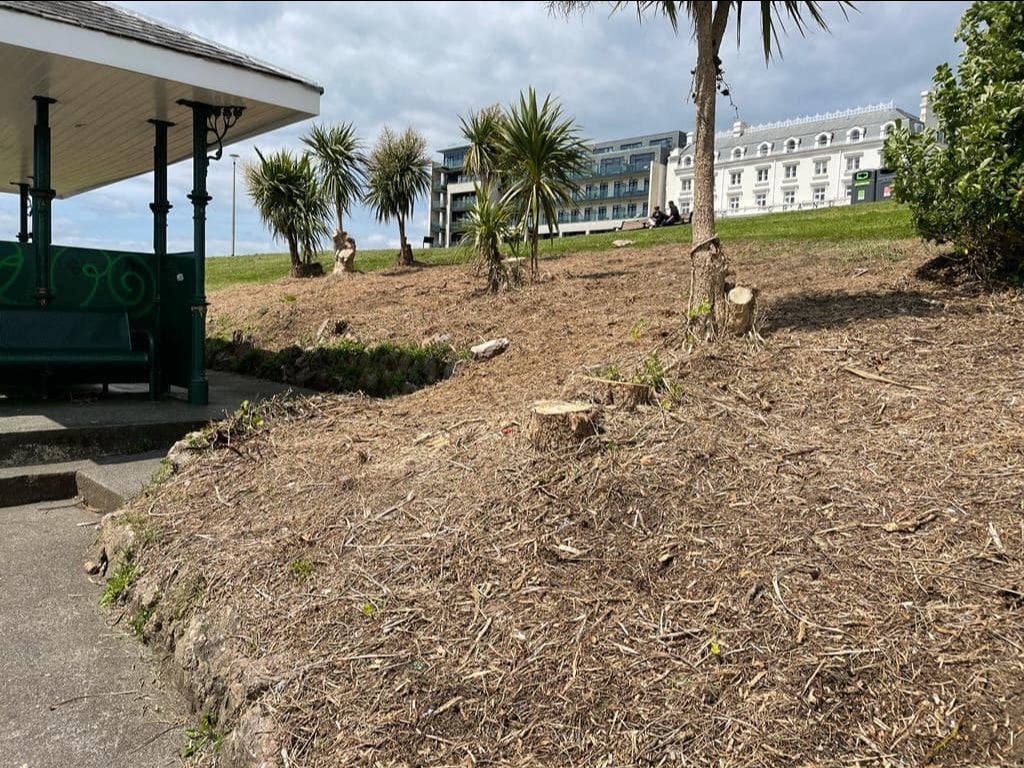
[
  {"x": 657, "y": 218},
  {"x": 673, "y": 215}
]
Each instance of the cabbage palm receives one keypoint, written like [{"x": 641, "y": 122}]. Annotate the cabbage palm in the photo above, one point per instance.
[
  {"x": 483, "y": 132},
  {"x": 708, "y": 22},
  {"x": 337, "y": 155},
  {"x": 542, "y": 154},
  {"x": 398, "y": 172},
  {"x": 291, "y": 204},
  {"x": 491, "y": 222}
]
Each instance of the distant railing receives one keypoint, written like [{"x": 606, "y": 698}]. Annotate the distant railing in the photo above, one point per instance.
[{"x": 811, "y": 118}]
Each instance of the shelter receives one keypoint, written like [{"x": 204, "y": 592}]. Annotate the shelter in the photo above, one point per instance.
[{"x": 93, "y": 94}]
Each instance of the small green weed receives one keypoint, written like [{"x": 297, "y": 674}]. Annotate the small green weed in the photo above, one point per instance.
[
  {"x": 699, "y": 311},
  {"x": 289, "y": 297},
  {"x": 118, "y": 583},
  {"x": 302, "y": 569},
  {"x": 205, "y": 736},
  {"x": 139, "y": 620},
  {"x": 637, "y": 329}
]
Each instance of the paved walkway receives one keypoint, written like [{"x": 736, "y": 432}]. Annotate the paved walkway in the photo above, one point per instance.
[{"x": 74, "y": 691}]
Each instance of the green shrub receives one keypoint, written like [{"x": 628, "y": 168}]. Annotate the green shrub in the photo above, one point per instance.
[{"x": 964, "y": 183}]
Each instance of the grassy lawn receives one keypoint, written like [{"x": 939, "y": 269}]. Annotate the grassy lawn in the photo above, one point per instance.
[{"x": 878, "y": 221}]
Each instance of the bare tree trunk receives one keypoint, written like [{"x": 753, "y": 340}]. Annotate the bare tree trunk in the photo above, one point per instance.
[
  {"x": 405, "y": 254},
  {"x": 708, "y": 261}
]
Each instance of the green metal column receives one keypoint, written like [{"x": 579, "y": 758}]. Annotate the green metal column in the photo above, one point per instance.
[
  {"x": 198, "y": 386},
  {"x": 42, "y": 196},
  {"x": 160, "y": 208},
  {"x": 23, "y": 235}
]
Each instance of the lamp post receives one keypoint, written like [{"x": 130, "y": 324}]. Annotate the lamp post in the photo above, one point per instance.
[{"x": 234, "y": 162}]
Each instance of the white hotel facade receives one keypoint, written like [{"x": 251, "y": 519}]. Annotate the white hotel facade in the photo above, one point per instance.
[{"x": 806, "y": 162}]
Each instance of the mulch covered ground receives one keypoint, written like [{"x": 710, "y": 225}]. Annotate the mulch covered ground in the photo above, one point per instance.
[{"x": 787, "y": 563}]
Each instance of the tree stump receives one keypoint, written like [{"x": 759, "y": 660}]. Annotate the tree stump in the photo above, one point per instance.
[
  {"x": 740, "y": 305},
  {"x": 344, "y": 253},
  {"x": 559, "y": 424}
]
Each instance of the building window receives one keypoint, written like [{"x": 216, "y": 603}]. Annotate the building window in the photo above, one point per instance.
[
  {"x": 789, "y": 197},
  {"x": 761, "y": 199},
  {"x": 790, "y": 172},
  {"x": 887, "y": 130},
  {"x": 735, "y": 178},
  {"x": 764, "y": 150},
  {"x": 644, "y": 159},
  {"x": 684, "y": 206},
  {"x": 849, "y": 191},
  {"x": 632, "y": 145},
  {"x": 611, "y": 165},
  {"x": 588, "y": 214},
  {"x": 687, "y": 161},
  {"x": 737, "y": 153},
  {"x": 666, "y": 142},
  {"x": 820, "y": 167},
  {"x": 561, "y": 216},
  {"x": 633, "y": 184},
  {"x": 818, "y": 193},
  {"x": 617, "y": 189},
  {"x": 762, "y": 175},
  {"x": 576, "y": 214},
  {"x": 791, "y": 145},
  {"x": 686, "y": 185},
  {"x": 616, "y": 211},
  {"x": 734, "y": 203},
  {"x": 604, "y": 189},
  {"x": 590, "y": 191},
  {"x": 643, "y": 209},
  {"x": 853, "y": 163},
  {"x": 631, "y": 210},
  {"x": 855, "y": 135},
  {"x": 823, "y": 140},
  {"x": 602, "y": 213}
]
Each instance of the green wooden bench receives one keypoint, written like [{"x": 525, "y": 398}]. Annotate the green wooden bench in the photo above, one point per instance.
[{"x": 75, "y": 346}]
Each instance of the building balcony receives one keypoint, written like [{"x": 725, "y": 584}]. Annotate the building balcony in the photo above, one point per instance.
[{"x": 615, "y": 170}]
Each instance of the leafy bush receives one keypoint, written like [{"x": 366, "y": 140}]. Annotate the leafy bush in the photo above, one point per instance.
[{"x": 965, "y": 182}]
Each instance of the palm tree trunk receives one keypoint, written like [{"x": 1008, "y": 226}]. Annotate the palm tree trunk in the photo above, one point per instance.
[
  {"x": 405, "y": 252},
  {"x": 534, "y": 230},
  {"x": 293, "y": 252},
  {"x": 707, "y": 285}
]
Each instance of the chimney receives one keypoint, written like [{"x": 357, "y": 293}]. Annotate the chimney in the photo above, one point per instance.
[
  {"x": 739, "y": 127},
  {"x": 925, "y": 112}
]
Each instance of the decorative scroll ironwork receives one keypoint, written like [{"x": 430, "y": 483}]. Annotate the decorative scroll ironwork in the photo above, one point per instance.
[{"x": 219, "y": 120}]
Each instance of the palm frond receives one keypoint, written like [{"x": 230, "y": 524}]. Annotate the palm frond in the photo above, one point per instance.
[
  {"x": 340, "y": 164},
  {"x": 398, "y": 173}
]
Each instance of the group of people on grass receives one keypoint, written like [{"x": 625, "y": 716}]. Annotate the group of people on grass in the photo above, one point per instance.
[{"x": 661, "y": 219}]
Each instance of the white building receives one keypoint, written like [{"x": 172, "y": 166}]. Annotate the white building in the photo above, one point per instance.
[{"x": 806, "y": 162}]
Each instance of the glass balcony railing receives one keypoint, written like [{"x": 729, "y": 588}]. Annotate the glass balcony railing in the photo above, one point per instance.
[
  {"x": 614, "y": 170},
  {"x": 463, "y": 203},
  {"x": 612, "y": 194}
]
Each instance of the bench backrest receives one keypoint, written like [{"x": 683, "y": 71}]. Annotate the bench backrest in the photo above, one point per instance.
[{"x": 64, "y": 329}]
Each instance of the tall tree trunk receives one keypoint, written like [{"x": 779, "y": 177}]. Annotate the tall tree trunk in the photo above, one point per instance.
[
  {"x": 340, "y": 212},
  {"x": 534, "y": 230},
  {"x": 293, "y": 252},
  {"x": 708, "y": 261},
  {"x": 405, "y": 252}
]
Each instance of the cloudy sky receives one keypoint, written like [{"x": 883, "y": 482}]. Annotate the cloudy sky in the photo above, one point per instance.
[{"x": 423, "y": 64}]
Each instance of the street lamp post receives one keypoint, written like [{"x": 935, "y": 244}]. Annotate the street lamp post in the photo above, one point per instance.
[{"x": 234, "y": 162}]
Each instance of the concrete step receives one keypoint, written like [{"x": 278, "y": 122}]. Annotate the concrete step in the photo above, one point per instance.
[{"x": 104, "y": 484}]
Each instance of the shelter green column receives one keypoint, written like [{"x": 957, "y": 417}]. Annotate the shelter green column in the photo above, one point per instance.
[
  {"x": 198, "y": 386},
  {"x": 160, "y": 208},
  {"x": 42, "y": 197},
  {"x": 23, "y": 235}
]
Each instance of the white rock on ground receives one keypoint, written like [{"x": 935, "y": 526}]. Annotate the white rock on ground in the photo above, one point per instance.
[{"x": 489, "y": 349}]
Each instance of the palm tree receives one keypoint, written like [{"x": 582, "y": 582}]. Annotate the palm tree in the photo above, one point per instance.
[
  {"x": 708, "y": 22},
  {"x": 543, "y": 154},
  {"x": 291, "y": 204},
  {"x": 483, "y": 132},
  {"x": 489, "y": 224},
  {"x": 337, "y": 155},
  {"x": 398, "y": 172}
]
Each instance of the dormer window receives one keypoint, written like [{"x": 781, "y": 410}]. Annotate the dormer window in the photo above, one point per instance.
[
  {"x": 688, "y": 161},
  {"x": 791, "y": 145},
  {"x": 823, "y": 140},
  {"x": 764, "y": 149},
  {"x": 887, "y": 129},
  {"x": 737, "y": 153},
  {"x": 855, "y": 135}
]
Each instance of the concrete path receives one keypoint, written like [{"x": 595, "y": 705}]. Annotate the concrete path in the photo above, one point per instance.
[{"x": 74, "y": 691}]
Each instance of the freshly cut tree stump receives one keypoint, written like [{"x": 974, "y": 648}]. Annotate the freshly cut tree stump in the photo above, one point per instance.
[
  {"x": 560, "y": 424},
  {"x": 740, "y": 304},
  {"x": 626, "y": 395}
]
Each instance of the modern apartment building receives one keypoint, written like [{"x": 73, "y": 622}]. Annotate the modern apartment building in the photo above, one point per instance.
[
  {"x": 626, "y": 179},
  {"x": 806, "y": 162}
]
